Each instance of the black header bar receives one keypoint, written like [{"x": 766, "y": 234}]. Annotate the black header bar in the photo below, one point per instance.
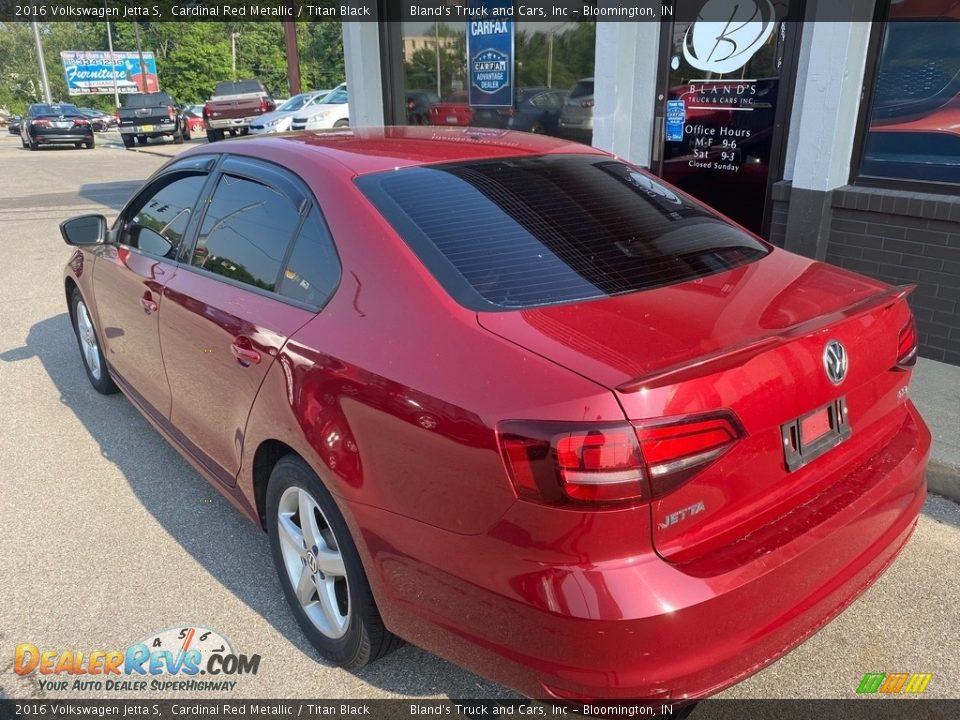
[{"x": 445, "y": 11}]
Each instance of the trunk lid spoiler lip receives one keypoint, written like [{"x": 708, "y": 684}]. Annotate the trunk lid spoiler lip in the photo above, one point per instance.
[{"x": 738, "y": 355}]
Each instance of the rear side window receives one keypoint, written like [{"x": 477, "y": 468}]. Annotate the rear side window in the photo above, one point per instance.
[
  {"x": 313, "y": 270},
  {"x": 245, "y": 232},
  {"x": 524, "y": 232},
  {"x": 239, "y": 87},
  {"x": 582, "y": 89},
  {"x": 147, "y": 100}
]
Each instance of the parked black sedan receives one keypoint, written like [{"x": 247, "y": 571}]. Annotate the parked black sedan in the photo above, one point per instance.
[
  {"x": 13, "y": 125},
  {"x": 58, "y": 123},
  {"x": 535, "y": 109}
]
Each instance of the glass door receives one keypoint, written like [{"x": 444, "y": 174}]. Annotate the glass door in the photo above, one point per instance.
[{"x": 726, "y": 81}]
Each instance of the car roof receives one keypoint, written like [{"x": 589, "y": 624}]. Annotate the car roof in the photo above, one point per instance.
[{"x": 361, "y": 151}]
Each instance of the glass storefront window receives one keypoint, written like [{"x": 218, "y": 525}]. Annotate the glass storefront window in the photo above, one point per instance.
[
  {"x": 914, "y": 121},
  {"x": 549, "y": 60}
]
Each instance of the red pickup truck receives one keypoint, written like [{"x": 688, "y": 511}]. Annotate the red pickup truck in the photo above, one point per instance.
[{"x": 234, "y": 105}]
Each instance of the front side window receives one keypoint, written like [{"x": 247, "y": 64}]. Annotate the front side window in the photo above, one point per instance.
[
  {"x": 911, "y": 133},
  {"x": 158, "y": 220},
  {"x": 245, "y": 232}
]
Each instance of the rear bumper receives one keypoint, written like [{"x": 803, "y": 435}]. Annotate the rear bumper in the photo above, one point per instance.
[
  {"x": 66, "y": 137},
  {"x": 158, "y": 128},
  {"x": 228, "y": 123},
  {"x": 511, "y": 605}
]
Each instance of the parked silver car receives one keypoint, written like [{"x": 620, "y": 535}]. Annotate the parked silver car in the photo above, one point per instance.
[
  {"x": 576, "y": 116},
  {"x": 279, "y": 120}
]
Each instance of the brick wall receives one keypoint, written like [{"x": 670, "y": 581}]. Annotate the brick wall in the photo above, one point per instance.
[{"x": 904, "y": 237}]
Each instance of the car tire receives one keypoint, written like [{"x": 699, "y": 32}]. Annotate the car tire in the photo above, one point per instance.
[
  {"x": 186, "y": 131},
  {"x": 214, "y": 135},
  {"x": 90, "y": 349},
  {"x": 127, "y": 141},
  {"x": 338, "y": 613},
  {"x": 91, "y": 143},
  {"x": 33, "y": 145},
  {"x": 141, "y": 139},
  {"x": 244, "y": 131},
  {"x": 341, "y": 124},
  {"x": 78, "y": 145},
  {"x": 178, "y": 136}
]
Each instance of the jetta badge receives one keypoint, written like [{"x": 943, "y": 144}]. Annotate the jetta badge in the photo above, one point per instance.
[{"x": 835, "y": 361}]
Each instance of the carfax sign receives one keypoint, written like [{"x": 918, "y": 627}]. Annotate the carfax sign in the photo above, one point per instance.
[
  {"x": 490, "y": 53},
  {"x": 92, "y": 73}
]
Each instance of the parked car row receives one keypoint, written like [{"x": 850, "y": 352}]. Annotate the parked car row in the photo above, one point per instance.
[
  {"x": 535, "y": 109},
  {"x": 242, "y": 107}
]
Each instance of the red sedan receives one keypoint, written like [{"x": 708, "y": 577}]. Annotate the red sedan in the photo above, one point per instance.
[{"x": 512, "y": 399}]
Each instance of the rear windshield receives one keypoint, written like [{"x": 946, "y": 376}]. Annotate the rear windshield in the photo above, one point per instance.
[
  {"x": 582, "y": 89},
  {"x": 525, "y": 232},
  {"x": 147, "y": 100},
  {"x": 238, "y": 87},
  {"x": 59, "y": 109}
]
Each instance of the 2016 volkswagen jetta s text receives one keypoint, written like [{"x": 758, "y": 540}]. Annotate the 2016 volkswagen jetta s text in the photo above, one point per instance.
[{"x": 512, "y": 399}]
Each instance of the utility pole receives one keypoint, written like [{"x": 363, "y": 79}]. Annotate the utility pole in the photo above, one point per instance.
[
  {"x": 44, "y": 81},
  {"x": 436, "y": 32},
  {"x": 113, "y": 61},
  {"x": 233, "y": 51},
  {"x": 143, "y": 67},
  {"x": 293, "y": 58}
]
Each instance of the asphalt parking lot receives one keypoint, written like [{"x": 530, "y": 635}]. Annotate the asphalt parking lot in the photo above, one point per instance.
[{"x": 109, "y": 535}]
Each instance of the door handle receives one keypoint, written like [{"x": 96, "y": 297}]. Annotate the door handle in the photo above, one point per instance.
[
  {"x": 244, "y": 354},
  {"x": 149, "y": 306}
]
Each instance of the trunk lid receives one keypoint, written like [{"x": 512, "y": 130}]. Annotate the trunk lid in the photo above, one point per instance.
[{"x": 750, "y": 340}]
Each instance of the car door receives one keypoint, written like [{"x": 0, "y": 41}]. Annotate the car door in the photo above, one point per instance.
[
  {"x": 224, "y": 320},
  {"x": 130, "y": 273}
]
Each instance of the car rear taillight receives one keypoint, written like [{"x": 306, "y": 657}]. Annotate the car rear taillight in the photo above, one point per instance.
[
  {"x": 611, "y": 463},
  {"x": 266, "y": 105},
  {"x": 206, "y": 112},
  {"x": 555, "y": 462},
  {"x": 674, "y": 450},
  {"x": 40, "y": 122},
  {"x": 907, "y": 346},
  {"x": 172, "y": 112},
  {"x": 586, "y": 103}
]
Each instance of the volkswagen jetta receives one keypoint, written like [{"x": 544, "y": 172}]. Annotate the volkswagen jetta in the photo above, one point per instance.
[{"x": 513, "y": 399}]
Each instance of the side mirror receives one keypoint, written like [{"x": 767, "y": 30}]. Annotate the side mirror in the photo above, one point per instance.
[{"x": 84, "y": 230}]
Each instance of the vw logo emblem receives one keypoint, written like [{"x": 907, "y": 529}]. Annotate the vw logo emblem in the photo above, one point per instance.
[{"x": 835, "y": 361}]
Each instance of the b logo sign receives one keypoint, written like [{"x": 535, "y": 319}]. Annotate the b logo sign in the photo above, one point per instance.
[{"x": 727, "y": 33}]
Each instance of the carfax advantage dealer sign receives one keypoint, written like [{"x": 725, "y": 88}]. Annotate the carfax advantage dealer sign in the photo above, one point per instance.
[{"x": 490, "y": 53}]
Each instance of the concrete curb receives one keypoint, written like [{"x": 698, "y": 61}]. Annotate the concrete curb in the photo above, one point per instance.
[{"x": 944, "y": 480}]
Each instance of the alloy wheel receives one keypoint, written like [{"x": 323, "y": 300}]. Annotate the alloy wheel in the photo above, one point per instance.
[
  {"x": 313, "y": 562},
  {"x": 88, "y": 340}
]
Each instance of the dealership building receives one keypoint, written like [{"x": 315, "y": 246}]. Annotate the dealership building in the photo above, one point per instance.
[{"x": 830, "y": 128}]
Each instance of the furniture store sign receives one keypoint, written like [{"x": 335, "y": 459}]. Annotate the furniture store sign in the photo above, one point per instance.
[
  {"x": 95, "y": 72},
  {"x": 490, "y": 53}
]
